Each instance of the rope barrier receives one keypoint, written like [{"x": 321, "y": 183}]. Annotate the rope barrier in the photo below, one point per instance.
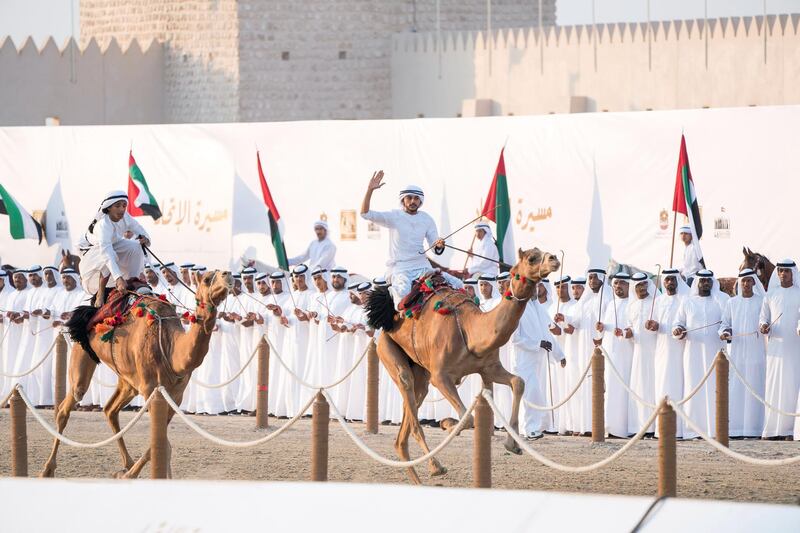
[
  {"x": 305, "y": 383},
  {"x": 651, "y": 405},
  {"x": 625, "y": 385},
  {"x": 69, "y": 442},
  {"x": 231, "y": 443},
  {"x": 565, "y": 400},
  {"x": 557, "y": 466},
  {"x": 390, "y": 462},
  {"x": 234, "y": 377},
  {"x": 727, "y": 451},
  {"x": 755, "y": 394},
  {"x": 33, "y": 369}
]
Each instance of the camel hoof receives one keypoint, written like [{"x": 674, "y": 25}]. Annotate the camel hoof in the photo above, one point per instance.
[
  {"x": 120, "y": 474},
  {"x": 512, "y": 446},
  {"x": 48, "y": 472},
  {"x": 448, "y": 423},
  {"x": 440, "y": 471}
]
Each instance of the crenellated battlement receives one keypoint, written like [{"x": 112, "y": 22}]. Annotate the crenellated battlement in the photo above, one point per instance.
[{"x": 605, "y": 34}]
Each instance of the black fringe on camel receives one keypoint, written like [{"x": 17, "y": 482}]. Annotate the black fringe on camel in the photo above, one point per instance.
[
  {"x": 77, "y": 328},
  {"x": 380, "y": 309}
]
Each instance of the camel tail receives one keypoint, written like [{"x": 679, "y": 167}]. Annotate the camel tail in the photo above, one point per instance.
[
  {"x": 77, "y": 328},
  {"x": 380, "y": 309}
]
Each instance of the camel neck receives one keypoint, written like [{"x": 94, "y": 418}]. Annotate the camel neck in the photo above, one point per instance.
[{"x": 191, "y": 346}]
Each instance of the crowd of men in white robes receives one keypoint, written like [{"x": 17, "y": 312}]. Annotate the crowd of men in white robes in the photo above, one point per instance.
[{"x": 661, "y": 342}]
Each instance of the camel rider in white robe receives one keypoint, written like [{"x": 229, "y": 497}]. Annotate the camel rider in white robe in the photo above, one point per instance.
[
  {"x": 485, "y": 246},
  {"x": 692, "y": 255},
  {"x": 645, "y": 337},
  {"x": 321, "y": 252},
  {"x": 669, "y": 350},
  {"x": 618, "y": 344},
  {"x": 408, "y": 229},
  {"x": 747, "y": 351},
  {"x": 698, "y": 322},
  {"x": 780, "y": 313},
  {"x": 112, "y": 258}
]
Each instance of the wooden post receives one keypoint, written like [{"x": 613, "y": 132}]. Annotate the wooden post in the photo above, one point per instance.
[
  {"x": 598, "y": 398},
  {"x": 722, "y": 423},
  {"x": 320, "y": 419},
  {"x": 667, "y": 460},
  {"x": 262, "y": 392},
  {"x": 373, "y": 386},
  {"x": 60, "y": 387},
  {"x": 482, "y": 445},
  {"x": 159, "y": 445},
  {"x": 19, "y": 436}
]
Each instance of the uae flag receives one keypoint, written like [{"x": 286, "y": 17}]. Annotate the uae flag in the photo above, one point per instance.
[
  {"x": 685, "y": 199},
  {"x": 275, "y": 222},
  {"x": 142, "y": 202},
  {"x": 498, "y": 209},
  {"x": 22, "y": 224}
]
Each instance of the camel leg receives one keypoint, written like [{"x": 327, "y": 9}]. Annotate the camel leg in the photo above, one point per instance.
[
  {"x": 450, "y": 392},
  {"x": 81, "y": 369},
  {"x": 498, "y": 374},
  {"x": 122, "y": 395},
  {"x": 398, "y": 366},
  {"x": 421, "y": 379}
]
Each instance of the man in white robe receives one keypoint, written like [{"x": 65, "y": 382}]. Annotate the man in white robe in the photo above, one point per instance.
[
  {"x": 644, "y": 330},
  {"x": 46, "y": 337},
  {"x": 17, "y": 317},
  {"x": 669, "y": 350},
  {"x": 618, "y": 344},
  {"x": 562, "y": 385},
  {"x": 292, "y": 395},
  {"x": 747, "y": 351},
  {"x": 697, "y": 322},
  {"x": 408, "y": 229},
  {"x": 692, "y": 256},
  {"x": 280, "y": 305},
  {"x": 321, "y": 252},
  {"x": 112, "y": 259},
  {"x": 486, "y": 256},
  {"x": 529, "y": 354},
  {"x": 471, "y": 288},
  {"x": 176, "y": 293},
  {"x": 336, "y": 300},
  {"x": 186, "y": 273},
  {"x": 780, "y": 320},
  {"x": 32, "y": 327},
  {"x": 583, "y": 318}
]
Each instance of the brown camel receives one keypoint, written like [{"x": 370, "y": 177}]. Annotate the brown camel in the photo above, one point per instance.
[
  {"x": 135, "y": 354},
  {"x": 444, "y": 348}
]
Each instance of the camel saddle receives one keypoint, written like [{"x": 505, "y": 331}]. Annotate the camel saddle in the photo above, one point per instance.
[
  {"x": 422, "y": 289},
  {"x": 117, "y": 303}
]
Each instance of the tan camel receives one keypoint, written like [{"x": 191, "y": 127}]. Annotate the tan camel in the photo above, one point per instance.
[
  {"x": 443, "y": 349},
  {"x": 135, "y": 354}
]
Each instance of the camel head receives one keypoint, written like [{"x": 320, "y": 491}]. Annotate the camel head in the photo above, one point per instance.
[
  {"x": 535, "y": 264},
  {"x": 212, "y": 291}
]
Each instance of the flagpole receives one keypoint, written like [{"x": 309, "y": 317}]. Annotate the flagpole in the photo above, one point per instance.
[
  {"x": 472, "y": 244},
  {"x": 672, "y": 249}
]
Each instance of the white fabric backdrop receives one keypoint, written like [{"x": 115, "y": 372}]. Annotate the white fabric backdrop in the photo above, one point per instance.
[{"x": 593, "y": 185}]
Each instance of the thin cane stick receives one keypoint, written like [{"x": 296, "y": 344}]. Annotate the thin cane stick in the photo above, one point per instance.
[
  {"x": 464, "y": 226},
  {"x": 550, "y": 381},
  {"x": 560, "y": 282},
  {"x": 658, "y": 280}
]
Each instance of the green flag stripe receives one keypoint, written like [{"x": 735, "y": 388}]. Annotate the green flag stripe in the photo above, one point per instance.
[
  {"x": 277, "y": 242},
  {"x": 137, "y": 176},
  {"x": 14, "y": 214},
  {"x": 502, "y": 213}
]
